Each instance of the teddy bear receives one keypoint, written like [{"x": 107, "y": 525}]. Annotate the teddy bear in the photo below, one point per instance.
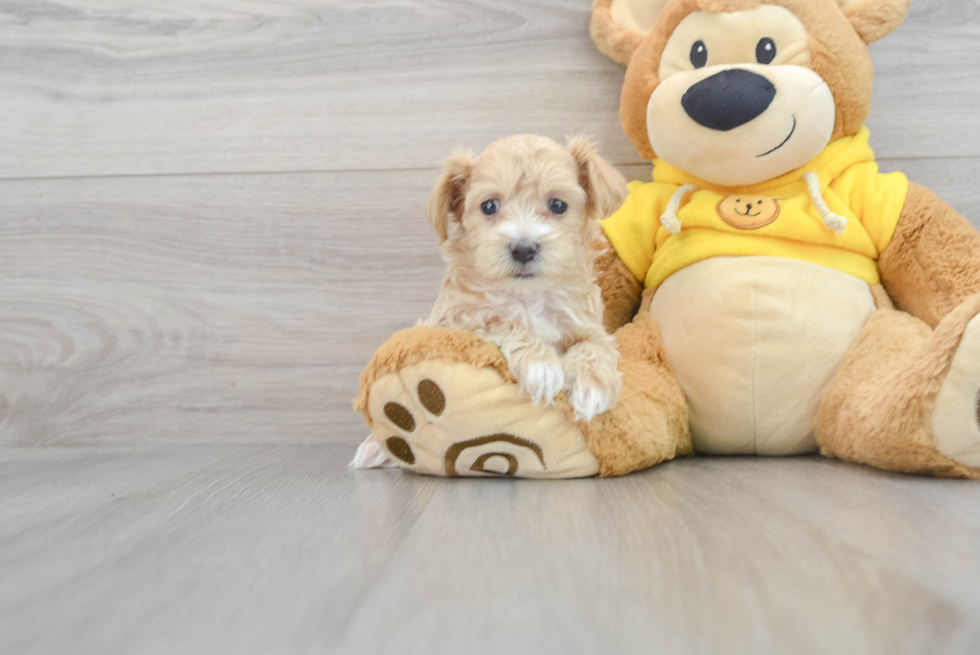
[{"x": 770, "y": 291}]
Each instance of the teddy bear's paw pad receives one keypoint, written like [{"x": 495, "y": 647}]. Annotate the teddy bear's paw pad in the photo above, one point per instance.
[
  {"x": 956, "y": 419},
  {"x": 454, "y": 419}
]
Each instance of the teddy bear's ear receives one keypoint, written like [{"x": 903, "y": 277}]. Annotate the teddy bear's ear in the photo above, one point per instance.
[
  {"x": 618, "y": 26},
  {"x": 874, "y": 19},
  {"x": 449, "y": 193}
]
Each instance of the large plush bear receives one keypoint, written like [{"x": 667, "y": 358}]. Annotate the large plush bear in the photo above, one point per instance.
[{"x": 771, "y": 292}]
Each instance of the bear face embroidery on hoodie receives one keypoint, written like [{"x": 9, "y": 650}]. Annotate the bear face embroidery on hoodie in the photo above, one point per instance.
[{"x": 749, "y": 212}]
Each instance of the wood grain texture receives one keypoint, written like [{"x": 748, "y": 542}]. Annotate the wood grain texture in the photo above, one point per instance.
[
  {"x": 204, "y": 308},
  {"x": 264, "y": 549},
  {"x": 190, "y": 86}
]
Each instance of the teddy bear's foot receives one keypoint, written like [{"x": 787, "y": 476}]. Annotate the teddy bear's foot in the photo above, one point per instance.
[
  {"x": 454, "y": 419},
  {"x": 906, "y": 397},
  {"x": 956, "y": 418},
  {"x": 443, "y": 403}
]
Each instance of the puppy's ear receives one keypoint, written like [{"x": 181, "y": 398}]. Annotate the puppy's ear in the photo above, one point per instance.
[
  {"x": 604, "y": 186},
  {"x": 874, "y": 19},
  {"x": 449, "y": 192}
]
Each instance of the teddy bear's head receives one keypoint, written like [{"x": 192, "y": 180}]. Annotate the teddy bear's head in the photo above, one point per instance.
[{"x": 737, "y": 92}]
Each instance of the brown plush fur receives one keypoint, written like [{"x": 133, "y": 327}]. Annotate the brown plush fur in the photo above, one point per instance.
[
  {"x": 878, "y": 407},
  {"x": 840, "y": 57},
  {"x": 933, "y": 262},
  {"x": 620, "y": 289},
  {"x": 650, "y": 424},
  {"x": 875, "y": 19},
  {"x": 613, "y": 41}
]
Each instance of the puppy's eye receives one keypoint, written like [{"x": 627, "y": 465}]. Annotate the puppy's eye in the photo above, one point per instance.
[
  {"x": 556, "y": 206},
  {"x": 765, "y": 52},
  {"x": 490, "y": 207},
  {"x": 699, "y": 54}
]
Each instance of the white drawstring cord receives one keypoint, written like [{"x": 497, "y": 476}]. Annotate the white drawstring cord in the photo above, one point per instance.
[
  {"x": 669, "y": 220},
  {"x": 834, "y": 222}
]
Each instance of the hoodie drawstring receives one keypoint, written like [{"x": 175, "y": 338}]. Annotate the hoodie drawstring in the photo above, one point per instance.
[
  {"x": 669, "y": 220},
  {"x": 834, "y": 222}
]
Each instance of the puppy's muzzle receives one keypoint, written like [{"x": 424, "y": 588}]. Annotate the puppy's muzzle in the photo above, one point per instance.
[{"x": 524, "y": 252}]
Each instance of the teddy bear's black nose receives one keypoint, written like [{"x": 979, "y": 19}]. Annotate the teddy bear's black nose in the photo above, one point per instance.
[{"x": 728, "y": 99}]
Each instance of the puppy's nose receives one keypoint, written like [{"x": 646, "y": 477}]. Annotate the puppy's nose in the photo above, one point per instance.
[
  {"x": 523, "y": 252},
  {"x": 728, "y": 99}
]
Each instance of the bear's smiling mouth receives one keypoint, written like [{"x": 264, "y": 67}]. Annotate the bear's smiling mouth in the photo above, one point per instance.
[
  {"x": 748, "y": 213},
  {"x": 785, "y": 141}
]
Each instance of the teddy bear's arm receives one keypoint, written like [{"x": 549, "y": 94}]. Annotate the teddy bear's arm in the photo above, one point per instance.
[
  {"x": 620, "y": 289},
  {"x": 933, "y": 261}
]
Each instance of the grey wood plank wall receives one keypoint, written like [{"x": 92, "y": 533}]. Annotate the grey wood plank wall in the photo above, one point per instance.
[{"x": 211, "y": 212}]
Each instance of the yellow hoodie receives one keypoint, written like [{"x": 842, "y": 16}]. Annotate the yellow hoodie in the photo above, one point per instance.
[{"x": 783, "y": 217}]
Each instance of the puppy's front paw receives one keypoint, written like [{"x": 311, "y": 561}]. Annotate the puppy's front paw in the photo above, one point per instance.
[
  {"x": 539, "y": 373},
  {"x": 543, "y": 381},
  {"x": 592, "y": 380}
]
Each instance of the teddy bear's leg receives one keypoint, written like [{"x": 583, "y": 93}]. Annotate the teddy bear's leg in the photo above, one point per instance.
[
  {"x": 650, "y": 423},
  {"x": 906, "y": 396},
  {"x": 443, "y": 402}
]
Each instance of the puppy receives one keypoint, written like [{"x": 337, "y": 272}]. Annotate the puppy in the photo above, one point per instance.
[{"x": 516, "y": 226}]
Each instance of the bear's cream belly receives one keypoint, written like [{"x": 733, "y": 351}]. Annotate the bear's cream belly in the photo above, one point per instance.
[{"x": 754, "y": 342}]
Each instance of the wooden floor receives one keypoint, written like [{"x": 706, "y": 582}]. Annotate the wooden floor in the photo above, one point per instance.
[{"x": 210, "y": 216}]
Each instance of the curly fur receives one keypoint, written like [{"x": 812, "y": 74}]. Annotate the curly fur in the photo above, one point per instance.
[{"x": 544, "y": 315}]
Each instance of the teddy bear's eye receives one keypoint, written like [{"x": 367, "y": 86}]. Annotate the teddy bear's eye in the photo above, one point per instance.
[
  {"x": 765, "y": 52},
  {"x": 490, "y": 207},
  {"x": 557, "y": 206},
  {"x": 699, "y": 54}
]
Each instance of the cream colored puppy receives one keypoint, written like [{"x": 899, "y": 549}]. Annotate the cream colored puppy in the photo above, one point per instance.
[{"x": 516, "y": 225}]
